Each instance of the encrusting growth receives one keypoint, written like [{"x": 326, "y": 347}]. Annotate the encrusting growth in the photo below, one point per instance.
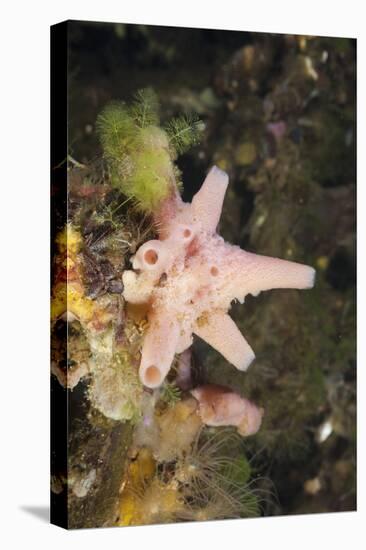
[
  {"x": 189, "y": 277},
  {"x": 140, "y": 154}
]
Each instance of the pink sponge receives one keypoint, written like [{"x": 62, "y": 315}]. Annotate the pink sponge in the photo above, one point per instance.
[
  {"x": 219, "y": 406},
  {"x": 190, "y": 276}
]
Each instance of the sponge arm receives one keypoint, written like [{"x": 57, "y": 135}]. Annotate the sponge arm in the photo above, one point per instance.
[{"x": 220, "y": 332}]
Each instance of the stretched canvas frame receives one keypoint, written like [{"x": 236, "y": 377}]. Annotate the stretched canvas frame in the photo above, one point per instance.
[{"x": 270, "y": 120}]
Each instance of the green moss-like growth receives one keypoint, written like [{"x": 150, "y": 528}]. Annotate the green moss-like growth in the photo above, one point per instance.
[
  {"x": 170, "y": 394},
  {"x": 140, "y": 155},
  {"x": 184, "y": 132}
]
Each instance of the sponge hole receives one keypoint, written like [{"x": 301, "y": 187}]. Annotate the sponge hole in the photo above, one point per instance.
[
  {"x": 152, "y": 376},
  {"x": 151, "y": 256},
  {"x": 214, "y": 271}
]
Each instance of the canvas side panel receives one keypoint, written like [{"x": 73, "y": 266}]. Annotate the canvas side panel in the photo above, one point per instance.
[{"x": 59, "y": 400}]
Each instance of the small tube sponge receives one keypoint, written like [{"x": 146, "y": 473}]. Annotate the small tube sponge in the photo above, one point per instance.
[
  {"x": 158, "y": 349},
  {"x": 152, "y": 258},
  {"x": 219, "y": 406}
]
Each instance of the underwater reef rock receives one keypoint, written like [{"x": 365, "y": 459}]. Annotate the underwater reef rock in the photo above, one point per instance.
[{"x": 86, "y": 485}]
